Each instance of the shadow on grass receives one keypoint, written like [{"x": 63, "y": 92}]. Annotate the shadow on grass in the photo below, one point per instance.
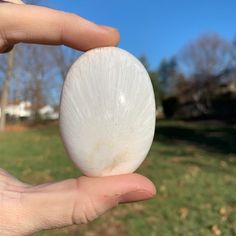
[{"x": 216, "y": 137}]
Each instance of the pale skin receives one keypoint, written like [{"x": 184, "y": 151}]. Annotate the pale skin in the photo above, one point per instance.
[{"x": 26, "y": 209}]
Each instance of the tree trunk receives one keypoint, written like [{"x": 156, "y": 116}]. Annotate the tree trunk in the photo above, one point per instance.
[{"x": 5, "y": 90}]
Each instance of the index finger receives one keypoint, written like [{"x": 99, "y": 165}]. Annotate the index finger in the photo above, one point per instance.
[{"x": 41, "y": 25}]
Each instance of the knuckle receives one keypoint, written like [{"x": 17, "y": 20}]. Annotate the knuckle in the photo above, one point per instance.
[
  {"x": 85, "y": 214},
  {"x": 4, "y": 48},
  {"x": 85, "y": 208}
]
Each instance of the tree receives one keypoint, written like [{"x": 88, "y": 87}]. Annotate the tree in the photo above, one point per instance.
[
  {"x": 154, "y": 79},
  {"x": 64, "y": 57},
  {"x": 233, "y": 64},
  {"x": 38, "y": 74},
  {"x": 3, "y": 68},
  {"x": 169, "y": 77},
  {"x": 5, "y": 89},
  {"x": 41, "y": 71},
  {"x": 207, "y": 56},
  {"x": 143, "y": 59},
  {"x": 205, "y": 61}
]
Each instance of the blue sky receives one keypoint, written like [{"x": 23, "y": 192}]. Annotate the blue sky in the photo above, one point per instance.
[{"x": 157, "y": 28}]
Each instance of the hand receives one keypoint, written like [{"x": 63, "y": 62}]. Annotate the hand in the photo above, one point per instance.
[
  {"x": 25, "y": 209},
  {"x": 40, "y": 25}
]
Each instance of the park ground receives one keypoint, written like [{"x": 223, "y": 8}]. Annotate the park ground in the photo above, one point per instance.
[{"x": 193, "y": 165}]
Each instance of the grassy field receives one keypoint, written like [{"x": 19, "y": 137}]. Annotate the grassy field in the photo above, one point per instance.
[{"x": 192, "y": 164}]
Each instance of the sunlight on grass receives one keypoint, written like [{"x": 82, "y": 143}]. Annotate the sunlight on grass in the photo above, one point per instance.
[{"x": 192, "y": 164}]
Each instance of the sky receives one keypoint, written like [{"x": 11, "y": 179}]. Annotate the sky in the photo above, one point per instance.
[{"x": 157, "y": 28}]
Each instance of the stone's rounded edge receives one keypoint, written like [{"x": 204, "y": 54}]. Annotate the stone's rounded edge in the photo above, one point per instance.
[
  {"x": 117, "y": 50},
  {"x": 140, "y": 67},
  {"x": 105, "y": 174},
  {"x": 107, "y": 50}
]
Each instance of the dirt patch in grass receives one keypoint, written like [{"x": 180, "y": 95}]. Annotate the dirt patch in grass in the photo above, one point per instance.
[
  {"x": 19, "y": 127},
  {"x": 16, "y": 127}
]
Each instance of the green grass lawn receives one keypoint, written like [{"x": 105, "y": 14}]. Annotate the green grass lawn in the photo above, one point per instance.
[{"x": 192, "y": 164}]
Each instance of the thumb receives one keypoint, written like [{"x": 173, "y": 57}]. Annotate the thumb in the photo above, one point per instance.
[{"x": 82, "y": 200}]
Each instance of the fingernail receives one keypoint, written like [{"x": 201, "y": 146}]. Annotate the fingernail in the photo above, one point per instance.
[
  {"x": 108, "y": 28},
  {"x": 135, "y": 196}
]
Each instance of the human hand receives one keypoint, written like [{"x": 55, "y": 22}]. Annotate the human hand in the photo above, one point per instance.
[
  {"x": 25, "y": 209},
  {"x": 41, "y": 25}
]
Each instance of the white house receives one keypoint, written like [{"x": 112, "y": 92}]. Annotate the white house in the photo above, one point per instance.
[
  {"x": 19, "y": 110},
  {"x": 23, "y": 110},
  {"x": 48, "y": 113}
]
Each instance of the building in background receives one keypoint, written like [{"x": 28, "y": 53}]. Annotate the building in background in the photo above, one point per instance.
[
  {"x": 48, "y": 113},
  {"x": 22, "y": 110}
]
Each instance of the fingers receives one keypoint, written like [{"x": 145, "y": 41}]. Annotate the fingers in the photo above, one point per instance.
[
  {"x": 82, "y": 200},
  {"x": 34, "y": 24}
]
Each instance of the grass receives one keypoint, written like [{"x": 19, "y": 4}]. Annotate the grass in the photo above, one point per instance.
[{"x": 192, "y": 164}]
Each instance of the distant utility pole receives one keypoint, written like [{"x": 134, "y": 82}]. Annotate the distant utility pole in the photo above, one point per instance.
[{"x": 5, "y": 89}]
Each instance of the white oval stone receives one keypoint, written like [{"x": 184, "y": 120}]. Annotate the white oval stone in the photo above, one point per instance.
[{"x": 107, "y": 114}]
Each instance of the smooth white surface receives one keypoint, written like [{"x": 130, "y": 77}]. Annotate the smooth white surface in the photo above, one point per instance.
[{"x": 107, "y": 116}]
